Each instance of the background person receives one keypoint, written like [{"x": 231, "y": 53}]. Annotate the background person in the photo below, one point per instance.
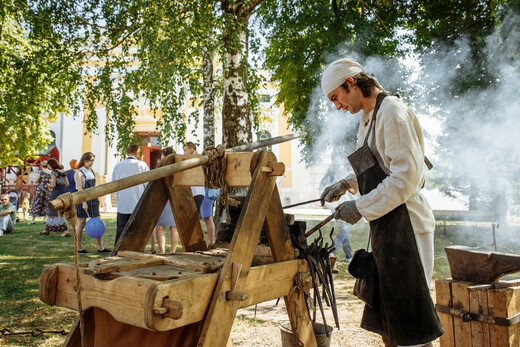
[
  {"x": 41, "y": 194},
  {"x": 390, "y": 171},
  {"x": 71, "y": 188},
  {"x": 26, "y": 204},
  {"x": 7, "y": 215},
  {"x": 86, "y": 178},
  {"x": 166, "y": 220},
  {"x": 58, "y": 185},
  {"x": 206, "y": 212},
  {"x": 128, "y": 198}
]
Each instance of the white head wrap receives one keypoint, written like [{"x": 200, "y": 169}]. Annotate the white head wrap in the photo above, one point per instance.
[{"x": 338, "y": 71}]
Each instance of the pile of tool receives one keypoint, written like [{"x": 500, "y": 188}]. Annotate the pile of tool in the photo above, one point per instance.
[{"x": 317, "y": 254}]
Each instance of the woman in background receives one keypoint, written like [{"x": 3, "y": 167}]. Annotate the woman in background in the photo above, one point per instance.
[
  {"x": 41, "y": 194},
  {"x": 58, "y": 185},
  {"x": 85, "y": 178},
  {"x": 70, "y": 176},
  {"x": 166, "y": 220}
]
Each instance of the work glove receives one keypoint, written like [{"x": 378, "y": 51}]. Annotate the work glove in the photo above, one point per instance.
[
  {"x": 334, "y": 192},
  {"x": 348, "y": 212}
]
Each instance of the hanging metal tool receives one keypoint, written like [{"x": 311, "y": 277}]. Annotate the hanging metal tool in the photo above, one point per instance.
[{"x": 317, "y": 255}]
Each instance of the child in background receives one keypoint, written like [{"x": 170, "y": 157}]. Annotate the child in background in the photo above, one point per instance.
[{"x": 26, "y": 204}]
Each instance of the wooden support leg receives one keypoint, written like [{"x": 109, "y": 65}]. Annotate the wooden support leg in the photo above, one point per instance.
[
  {"x": 137, "y": 232},
  {"x": 187, "y": 219},
  {"x": 282, "y": 249},
  {"x": 74, "y": 337},
  {"x": 221, "y": 313}
]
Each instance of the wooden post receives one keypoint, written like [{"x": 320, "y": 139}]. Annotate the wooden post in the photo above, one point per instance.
[
  {"x": 281, "y": 247},
  {"x": 478, "y": 303},
  {"x": 221, "y": 313},
  {"x": 504, "y": 303},
  {"x": 460, "y": 297},
  {"x": 443, "y": 297}
]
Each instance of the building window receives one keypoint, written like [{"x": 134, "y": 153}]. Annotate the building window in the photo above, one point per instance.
[
  {"x": 265, "y": 98},
  {"x": 264, "y": 135}
]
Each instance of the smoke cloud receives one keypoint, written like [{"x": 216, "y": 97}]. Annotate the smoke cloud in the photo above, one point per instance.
[{"x": 473, "y": 134}]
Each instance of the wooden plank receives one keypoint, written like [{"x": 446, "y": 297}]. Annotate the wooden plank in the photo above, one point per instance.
[
  {"x": 116, "y": 264},
  {"x": 159, "y": 273},
  {"x": 504, "y": 303},
  {"x": 262, "y": 255},
  {"x": 478, "y": 304},
  {"x": 131, "y": 300},
  {"x": 279, "y": 240},
  {"x": 460, "y": 298},
  {"x": 237, "y": 174},
  {"x": 221, "y": 313},
  {"x": 443, "y": 297},
  {"x": 199, "y": 262}
]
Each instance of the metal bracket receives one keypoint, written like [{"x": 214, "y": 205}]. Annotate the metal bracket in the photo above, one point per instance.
[{"x": 470, "y": 316}]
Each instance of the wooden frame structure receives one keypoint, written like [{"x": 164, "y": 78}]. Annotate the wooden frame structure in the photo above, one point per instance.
[{"x": 208, "y": 302}]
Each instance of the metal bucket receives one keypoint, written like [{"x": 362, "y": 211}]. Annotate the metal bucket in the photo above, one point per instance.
[{"x": 289, "y": 340}]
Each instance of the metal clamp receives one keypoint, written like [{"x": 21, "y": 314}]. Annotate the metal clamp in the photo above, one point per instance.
[{"x": 470, "y": 316}]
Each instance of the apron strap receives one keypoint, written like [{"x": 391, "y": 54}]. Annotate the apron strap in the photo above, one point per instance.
[
  {"x": 379, "y": 100},
  {"x": 372, "y": 125}
]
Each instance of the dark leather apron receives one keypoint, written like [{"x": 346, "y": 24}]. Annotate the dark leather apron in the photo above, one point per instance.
[{"x": 406, "y": 314}]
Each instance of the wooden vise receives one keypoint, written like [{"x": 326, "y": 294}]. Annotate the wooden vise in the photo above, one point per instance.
[{"x": 186, "y": 299}]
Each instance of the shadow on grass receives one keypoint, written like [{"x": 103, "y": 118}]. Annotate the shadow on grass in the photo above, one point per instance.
[{"x": 24, "y": 253}]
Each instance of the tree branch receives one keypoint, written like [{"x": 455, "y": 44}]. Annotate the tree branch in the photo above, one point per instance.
[{"x": 378, "y": 18}]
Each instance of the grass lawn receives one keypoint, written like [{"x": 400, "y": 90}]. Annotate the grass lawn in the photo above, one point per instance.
[{"x": 24, "y": 253}]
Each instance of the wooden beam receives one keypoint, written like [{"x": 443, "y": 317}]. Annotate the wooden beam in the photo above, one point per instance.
[
  {"x": 221, "y": 312},
  {"x": 185, "y": 215},
  {"x": 281, "y": 247},
  {"x": 238, "y": 174}
]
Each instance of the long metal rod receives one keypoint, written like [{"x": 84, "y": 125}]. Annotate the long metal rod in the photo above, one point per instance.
[
  {"x": 264, "y": 143},
  {"x": 319, "y": 225},
  {"x": 197, "y": 160},
  {"x": 302, "y": 203}
]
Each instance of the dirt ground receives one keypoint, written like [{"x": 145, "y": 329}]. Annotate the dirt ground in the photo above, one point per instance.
[{"x": 259, "y": 326}]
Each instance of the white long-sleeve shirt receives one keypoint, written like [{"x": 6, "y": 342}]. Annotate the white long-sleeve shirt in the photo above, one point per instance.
[
  {"x": 398, "y": 145},
  {"x": 128, "y": 198}
]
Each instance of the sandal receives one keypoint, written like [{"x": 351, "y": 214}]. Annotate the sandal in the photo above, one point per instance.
[
  {"x": 65, "y": 234},
  {"x": 45, "y": 232}
]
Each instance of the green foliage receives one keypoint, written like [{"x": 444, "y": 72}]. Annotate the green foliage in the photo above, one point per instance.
[
  {"x": 38, "y": 80},
  {"x": 301, "y": 37}
]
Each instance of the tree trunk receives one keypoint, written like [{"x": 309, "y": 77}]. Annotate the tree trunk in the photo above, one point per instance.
[
  {"x": 236, "y": 114},
  {"x": 209, "y": 95}
]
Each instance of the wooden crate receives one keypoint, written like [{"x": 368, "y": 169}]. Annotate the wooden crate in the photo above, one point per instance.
[{"x": 478, "y": 314}]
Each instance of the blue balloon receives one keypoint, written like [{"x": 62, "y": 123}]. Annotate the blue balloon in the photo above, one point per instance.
[{"x": 95, "y": 227}]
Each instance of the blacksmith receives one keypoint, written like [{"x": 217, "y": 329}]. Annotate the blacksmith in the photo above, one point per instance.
[{"x": 390, "y": 170}]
